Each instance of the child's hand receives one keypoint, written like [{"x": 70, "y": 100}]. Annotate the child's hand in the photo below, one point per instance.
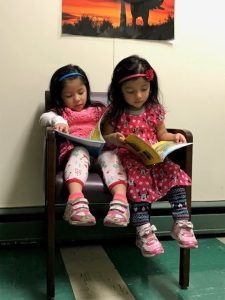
[
  {"x": 116, "y": 138},
  {"x": 179, "y": 138},
  {"x": 61, "y": 127}
]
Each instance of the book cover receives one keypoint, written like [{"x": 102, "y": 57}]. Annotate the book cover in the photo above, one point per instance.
[
  {"x": 152, "y": 154},
  {"x": 92, "y": 144}
]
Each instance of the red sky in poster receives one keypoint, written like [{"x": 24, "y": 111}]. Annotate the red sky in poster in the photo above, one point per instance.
[{"x": 110, "y": 10}]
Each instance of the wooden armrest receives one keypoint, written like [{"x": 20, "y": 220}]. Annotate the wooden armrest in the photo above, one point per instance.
[
  {"x": 50, "y": 139},
  {"x": 184, "y": 156},
  {"x": 187, "y": 133},
  {"x": 50, "y": 163},
  {"x": 50, "y": 133}
]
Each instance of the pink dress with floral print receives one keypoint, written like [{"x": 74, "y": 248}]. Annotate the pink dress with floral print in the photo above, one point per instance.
[
  {"x": 80, "y": 124},
  {"x": 151, "y": 183}
]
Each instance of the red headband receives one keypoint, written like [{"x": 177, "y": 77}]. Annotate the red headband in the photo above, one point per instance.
[{"x": 149, "y": 75}]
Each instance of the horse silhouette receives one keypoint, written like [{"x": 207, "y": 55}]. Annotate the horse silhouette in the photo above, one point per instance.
[{"x": 141, "y": 8}]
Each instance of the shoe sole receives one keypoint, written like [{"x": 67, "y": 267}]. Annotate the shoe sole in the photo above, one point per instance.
[
  {"x": 146, "y": 254},
  {"x": 108, "y": 224},
  {"x": 79, "y": 223},
  {"x": 183, "y": 246}
]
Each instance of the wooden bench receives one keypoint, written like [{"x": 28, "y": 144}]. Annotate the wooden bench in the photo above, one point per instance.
[{"x": 97, "y": 193}]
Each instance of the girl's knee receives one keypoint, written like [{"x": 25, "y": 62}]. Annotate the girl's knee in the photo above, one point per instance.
[{"x": 79, "y": 150}]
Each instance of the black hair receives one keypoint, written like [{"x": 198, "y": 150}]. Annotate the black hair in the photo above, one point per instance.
[
  {"x": 130, "y": 65},
  {"x": 57, "y": 84}
]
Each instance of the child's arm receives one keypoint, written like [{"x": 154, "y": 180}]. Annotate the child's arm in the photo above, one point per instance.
[
  {"x": 52, "y": 119},
  {"x": 111, "y": 137},
  {"x": 164, "y": 135}
]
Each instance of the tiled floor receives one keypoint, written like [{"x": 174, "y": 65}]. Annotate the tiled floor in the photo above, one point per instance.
[{"x": 113, "y": 271}]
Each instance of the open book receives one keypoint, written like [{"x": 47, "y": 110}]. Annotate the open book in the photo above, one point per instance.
[
  {"x": 94, "y": 143},
  {"x": 152, "y": 154}
]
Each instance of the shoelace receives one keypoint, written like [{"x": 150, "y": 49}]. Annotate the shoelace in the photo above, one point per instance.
[
  {"x": 147, "y": 230},
  {"x": 186, "y": 228}
]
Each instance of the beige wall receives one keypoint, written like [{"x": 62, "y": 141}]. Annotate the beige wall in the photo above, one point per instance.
[{"x": 191, "y": 73}]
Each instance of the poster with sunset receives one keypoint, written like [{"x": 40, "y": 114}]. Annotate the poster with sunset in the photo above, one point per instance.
[{"x": 137, "y": 19}]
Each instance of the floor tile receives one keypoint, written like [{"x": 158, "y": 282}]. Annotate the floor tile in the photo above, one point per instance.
[
  {"x": 221, "y": 239},
  {"x": 23, "y": 274},
  {"x": 113, "y": 270},
  {"x": 157, "y": 278},
  {"x": 92, "y": 274}
]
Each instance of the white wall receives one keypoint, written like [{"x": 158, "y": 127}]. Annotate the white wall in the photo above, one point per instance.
[{"x": 191, "y": 74}]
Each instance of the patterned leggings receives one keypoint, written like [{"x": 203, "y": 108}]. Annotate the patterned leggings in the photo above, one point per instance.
[
  {"x": 141, "y": 211},
  {"x": 77, "y": 167}
]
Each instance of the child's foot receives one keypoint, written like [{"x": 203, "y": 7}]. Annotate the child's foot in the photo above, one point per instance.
[
  {"x": 118, "y": 214},
  {"x": 147, "y": 241},
  {"x": 77, "y": 213},
  {"x": 183, "y": 233}
]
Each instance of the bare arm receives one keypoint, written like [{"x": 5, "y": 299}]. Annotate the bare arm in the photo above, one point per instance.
[
  {"x": 52, "y": 119},
  {"x": 164, "y": 135}
]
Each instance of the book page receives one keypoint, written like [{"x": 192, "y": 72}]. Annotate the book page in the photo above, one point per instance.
[
  {"x": 97, "y": 133},
  {"x": 164, "y": 148},
  {"x": 93, "y": 146},
  {"x": 143, "y": 150}
]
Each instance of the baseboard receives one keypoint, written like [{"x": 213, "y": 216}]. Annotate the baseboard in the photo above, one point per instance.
[{"x": 208, "y": 218}]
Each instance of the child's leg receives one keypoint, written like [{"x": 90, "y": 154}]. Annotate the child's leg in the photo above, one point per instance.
[
  {"x": 119, "y": 212},
  {"x": 76, "y": 171},
  {"x": 146, "y": 239},
  {"x": 116, "y": 180},
  {"x": 182, "y": 230}
]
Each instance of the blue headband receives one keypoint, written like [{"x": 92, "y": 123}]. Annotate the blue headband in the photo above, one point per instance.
[{"x": 70, "y": 75}]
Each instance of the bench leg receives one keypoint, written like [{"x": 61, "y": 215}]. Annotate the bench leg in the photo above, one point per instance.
[
  {"x": 50, "y": 252},
  {"x": 184, "y": 268}
]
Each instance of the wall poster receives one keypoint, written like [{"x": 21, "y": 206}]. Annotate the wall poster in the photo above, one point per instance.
[{"x": 131, "y": 19}]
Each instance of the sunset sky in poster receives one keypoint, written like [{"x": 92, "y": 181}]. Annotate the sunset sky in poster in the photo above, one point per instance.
[{"x": 110, "y": 10}]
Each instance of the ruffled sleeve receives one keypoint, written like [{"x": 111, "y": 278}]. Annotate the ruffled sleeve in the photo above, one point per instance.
[{"x": 158, "y": 114}]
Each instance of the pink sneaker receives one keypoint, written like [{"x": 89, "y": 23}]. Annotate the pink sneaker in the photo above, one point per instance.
[
  {"x": 77, "y": 213},
  {"x": 183, "y": 233},
  {"x": 147, "y": 241},
  {"x": 118, "y": 214}
]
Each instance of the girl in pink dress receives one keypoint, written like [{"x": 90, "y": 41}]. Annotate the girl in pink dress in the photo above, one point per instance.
[
  {"x": 74, "y": 113},
  {"x": 135, "y": 108}
]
